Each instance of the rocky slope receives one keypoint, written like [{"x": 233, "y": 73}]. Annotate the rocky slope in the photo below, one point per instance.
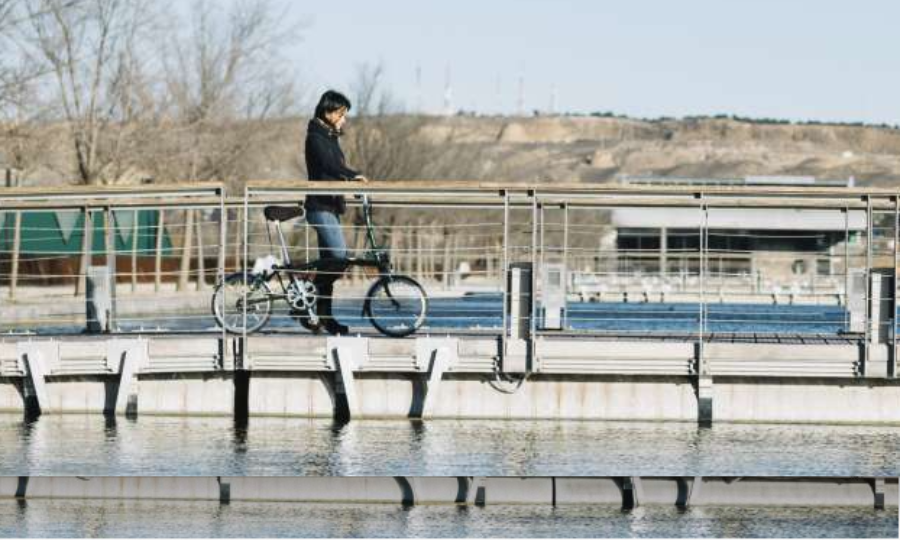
[{"x": 587, "y": 149}]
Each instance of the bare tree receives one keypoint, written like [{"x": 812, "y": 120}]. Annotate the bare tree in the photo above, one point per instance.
[
  {"x": 387, "y": 144},
  {"x": 224, "y": 77},
  {"x": 19, "y": 107},
  {"x": 90, "y": 49}
]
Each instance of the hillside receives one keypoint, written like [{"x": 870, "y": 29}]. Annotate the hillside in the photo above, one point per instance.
[{"x": 588, "y": 149}]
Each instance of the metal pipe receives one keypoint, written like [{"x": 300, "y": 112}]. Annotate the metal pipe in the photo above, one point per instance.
[
  {"x": 847, "y": 266},
  {"x": 893, "y": 318},
  {"x": 16, "y": 253},
  {"x": 110, "y": 224},
  {"x": 243, "y": 267},
  {"x": 534, "y": 261},
  {"x": 223, "y": 257},
  {"x": 505, "y": 278},
  {"x": 704, "y": 246},
  {"x": 868, "y": 287}
]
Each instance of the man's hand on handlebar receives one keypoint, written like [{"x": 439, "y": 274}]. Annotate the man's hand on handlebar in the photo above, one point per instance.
[{"x": 361, "y": 178}]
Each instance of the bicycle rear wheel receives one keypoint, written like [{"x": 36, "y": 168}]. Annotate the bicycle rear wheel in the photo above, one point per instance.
[
  {"x": 229, "y": 299},
  {"x": 396, "y": 305}
]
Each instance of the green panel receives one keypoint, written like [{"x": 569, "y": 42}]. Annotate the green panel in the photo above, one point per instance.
[{"x": 49, "y": 233}]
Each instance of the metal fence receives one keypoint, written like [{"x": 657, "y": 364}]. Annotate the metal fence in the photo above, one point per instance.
[{"x": 662, "y": 262}]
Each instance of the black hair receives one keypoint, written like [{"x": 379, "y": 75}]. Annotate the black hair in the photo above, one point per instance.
[{"x": 331, "y": 101}]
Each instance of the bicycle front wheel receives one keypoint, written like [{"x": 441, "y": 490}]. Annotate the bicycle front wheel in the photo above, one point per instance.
[
  {"x": 231, "y": 297},
  {"x": 396, "y": 305}
]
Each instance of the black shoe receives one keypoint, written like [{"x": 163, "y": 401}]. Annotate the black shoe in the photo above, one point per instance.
[{"x": 335, "y": 328}]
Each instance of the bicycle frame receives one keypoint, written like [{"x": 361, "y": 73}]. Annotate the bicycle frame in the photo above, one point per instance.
[
  {"x": 300, "y": 289},
  {"x": 376, "y": 256}
]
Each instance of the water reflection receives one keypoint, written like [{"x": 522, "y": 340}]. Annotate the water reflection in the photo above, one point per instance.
[
  {"x": 157, "y": 445},
  {"x": 89, "y": 518}
]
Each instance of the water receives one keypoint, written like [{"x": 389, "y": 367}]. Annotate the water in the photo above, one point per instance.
[
  {"x": 154, "y": 445},
  {"x": 484, "y": 311},
  {"x": 76, "y": 518}
]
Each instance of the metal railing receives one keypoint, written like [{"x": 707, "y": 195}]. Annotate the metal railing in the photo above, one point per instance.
[{"x": 698, "y": 280}]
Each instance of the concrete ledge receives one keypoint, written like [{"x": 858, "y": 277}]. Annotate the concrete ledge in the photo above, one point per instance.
[
  {"x": 294, "y": 353},
  {"x": 80, "y": 394},
  {"x": 180, "y": 354},
  {"x": 587, "y": 357},
  {"x": 10, "y": 397},
  {"x": 169, "y": 488},
  {"x": 275, "y": 394},
  {"x": 200, "y": 394},
  {"x": 787, "y": 360},
  {"x": 311, "y": 489},
  {"x": 542, "y": 396},
  {"x": 9, "y": 361},
  {"x": 559, "y": 397},
  {"x": 648, "y": 491},
  {"x": 806, "y": 401},
  {"x": 785, "y": 492},
  {"x": 587, "y": 491}
]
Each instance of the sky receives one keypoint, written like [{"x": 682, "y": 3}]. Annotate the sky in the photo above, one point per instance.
[{"x": 800, "y": 60}]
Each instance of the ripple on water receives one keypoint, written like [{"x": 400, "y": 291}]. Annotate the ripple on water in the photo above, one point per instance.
[{"x": 159, "y": 445}]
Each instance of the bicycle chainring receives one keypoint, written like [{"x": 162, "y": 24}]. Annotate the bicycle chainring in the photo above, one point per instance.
[{"x": 301, "y": 294}]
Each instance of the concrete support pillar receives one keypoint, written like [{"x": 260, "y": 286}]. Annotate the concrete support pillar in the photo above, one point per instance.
[
  {"x": 127, "y": 357},
  {"x": 347, "y": 353},
  {"x": 705, "y": 400},
  {"x": 878, "y": 487},
  {"x": 476, "y": 494},
  {"x": 437, "y": 355},
  {"x": 37, "y": 357},
  {"x": 631, "y": 487}
]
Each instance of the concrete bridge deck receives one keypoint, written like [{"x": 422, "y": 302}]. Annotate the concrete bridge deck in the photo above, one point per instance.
[
  {"x": 523, "y": 372},
  {"x": 454, "y": 375}
]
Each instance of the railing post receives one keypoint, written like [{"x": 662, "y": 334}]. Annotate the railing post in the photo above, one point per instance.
[
  {"x": 847, "y": 265},
  {"x": 135, "y": 242},
  {"x": 157, "y": 261},
  {"x": 187, "y": 238},
  {"x": 86, "y": 251},
  {"x": 892, "y": 356},
  {"x": 867, "y": 340},
  {"x": 704, "y": 248},
  {"x": 201, "y": 264},
  {"x": 532, "y": 299},
  {"x": 565, "y": 262},
  {"x": 704, "y": 377},
  {"x": 111, "y": 265},
  {"x": 222, "y": 258},
  {"x": 245, "y": 240},
  {"x": 16, "y": 253},
  {"x": 505, "y": 267}
]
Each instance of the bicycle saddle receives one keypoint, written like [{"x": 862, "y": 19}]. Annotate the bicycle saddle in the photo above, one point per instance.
[{"x": 283, "y": 213}]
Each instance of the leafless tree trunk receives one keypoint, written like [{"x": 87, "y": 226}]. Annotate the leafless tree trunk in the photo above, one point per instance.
[
  {"x": 88, "y": 48},
  {"x": 224, "y": 70}
]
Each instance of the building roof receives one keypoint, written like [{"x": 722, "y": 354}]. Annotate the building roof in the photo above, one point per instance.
[
  {"x": 741, "y": 218},
  {"x": 784, "y": 180}
]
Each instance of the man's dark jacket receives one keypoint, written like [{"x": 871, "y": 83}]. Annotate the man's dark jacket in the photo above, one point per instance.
[{"x": 325, "y": 161}]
